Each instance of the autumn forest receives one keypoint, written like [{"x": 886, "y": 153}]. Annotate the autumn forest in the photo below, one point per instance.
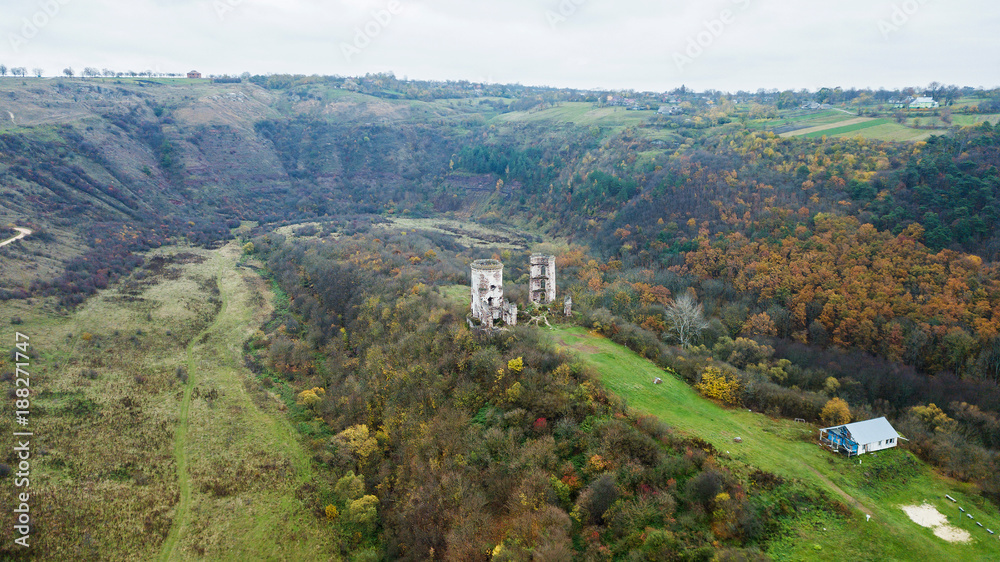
[{"x": 807, "y": 280}]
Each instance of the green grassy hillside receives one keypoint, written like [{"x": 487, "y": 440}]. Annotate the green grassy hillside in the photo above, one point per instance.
[
  {"x": 583, "y": 114},
  {"x": 790, "y": 450}
]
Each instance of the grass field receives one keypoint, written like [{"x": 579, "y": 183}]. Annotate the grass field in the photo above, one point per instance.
[
  {"x": 796, "y": 123},
  {"x": 797, "y": 119},
  {"x": 153, "y": 440},
  {"x": 665, "y": 135},
  {"x": 583, "y": 114},
  {"x": 457, "y": 294},
  {"x": 790, "y": 450},
  {"x": 850, "y": 128},
  {"x": 469, "y": 234},
  {"x": 828, "y": 116},
  {"x": 968, "y": 120},
  {"x": 893, "y": 132},
  {"x": 823, "y": 118},
  {"x": 808, "y": 129},
  {"x": 876, "y": 129}
]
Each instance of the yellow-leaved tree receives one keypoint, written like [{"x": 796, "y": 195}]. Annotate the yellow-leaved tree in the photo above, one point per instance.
[
  {"x": 719, "y": 386},
  {"x": 358, "y": 440},
  {"x": 934, "y": 418},
  {"x": 835, "y": 412},
  {"x": 363, "y": 512},
  {"x": 312, "y": 397},
  {"x": 516, "y": 365}
]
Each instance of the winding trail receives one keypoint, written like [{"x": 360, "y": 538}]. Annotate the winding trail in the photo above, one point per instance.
[
  {"x": 237, "y": 431},
  {"x": 183, "y": 515},
  {"x": 23, "y": 232},
  {"x": 838, "y": 490}
]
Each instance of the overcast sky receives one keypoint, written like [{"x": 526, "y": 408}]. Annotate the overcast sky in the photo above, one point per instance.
[{"x": 642, "y": 44}]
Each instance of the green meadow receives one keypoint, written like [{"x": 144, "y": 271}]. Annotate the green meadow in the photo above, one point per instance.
[
  {"x": 154, "y": 441},
  {"x": 790, "y": 450}
]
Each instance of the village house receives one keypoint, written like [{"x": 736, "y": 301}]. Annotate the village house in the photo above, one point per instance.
[
  {"x": 924, "y": 103},
  {"x": 194, "y": 74},
  {"x": 902, "y": 103},
  {"x": 860, "y": 437},
  {"x": 816, "y": 106}
]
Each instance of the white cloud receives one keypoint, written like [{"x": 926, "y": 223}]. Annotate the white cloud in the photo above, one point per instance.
[{"x": 628, "y": 43}]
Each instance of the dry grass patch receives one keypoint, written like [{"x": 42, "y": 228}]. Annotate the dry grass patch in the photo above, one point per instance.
[{"x": 109, "y": 382}]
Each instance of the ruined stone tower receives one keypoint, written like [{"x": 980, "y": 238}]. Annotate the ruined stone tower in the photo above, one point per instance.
[
  {"x": 543, "y": 279},
  {"x": 488, "y": 303}
]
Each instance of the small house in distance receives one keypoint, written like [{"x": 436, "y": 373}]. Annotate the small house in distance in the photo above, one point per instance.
[
  {"x": 860, "y": 437},
  {"x": 924, "y": 103},
  {"x": 194, "y": 74}
]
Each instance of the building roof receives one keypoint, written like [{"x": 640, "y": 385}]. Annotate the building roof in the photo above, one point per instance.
[{"x": 871, "y": 431}]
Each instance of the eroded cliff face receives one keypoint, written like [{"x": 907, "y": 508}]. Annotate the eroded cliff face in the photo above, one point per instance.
[{"x": 103, "y": 168}]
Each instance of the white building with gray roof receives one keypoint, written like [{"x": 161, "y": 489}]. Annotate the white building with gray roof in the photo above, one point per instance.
[{"x": 859, "y": 438}]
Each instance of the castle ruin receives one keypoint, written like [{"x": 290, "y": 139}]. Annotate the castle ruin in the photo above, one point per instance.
[
  {"x": 488, "y": 302},
  {"x": 542, "y": 286}
]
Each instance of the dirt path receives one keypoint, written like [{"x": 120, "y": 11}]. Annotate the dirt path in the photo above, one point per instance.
[
  {"x": 850, "y": 499},
  {"x": 23, "y": 232},
  {"x": 241, "y": 428},
  {"x": 183, "y": 515}
]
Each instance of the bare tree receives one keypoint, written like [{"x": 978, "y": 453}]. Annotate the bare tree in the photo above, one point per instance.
[
  {"x": 3, "y": 70},
  {"x": 686, "y": 320},
  {"x": 19, "y": 71},
  {"x": 38, "y": 72},
  {"x": 68, "y": 71},
  {"x": 91, "y": 72}
]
